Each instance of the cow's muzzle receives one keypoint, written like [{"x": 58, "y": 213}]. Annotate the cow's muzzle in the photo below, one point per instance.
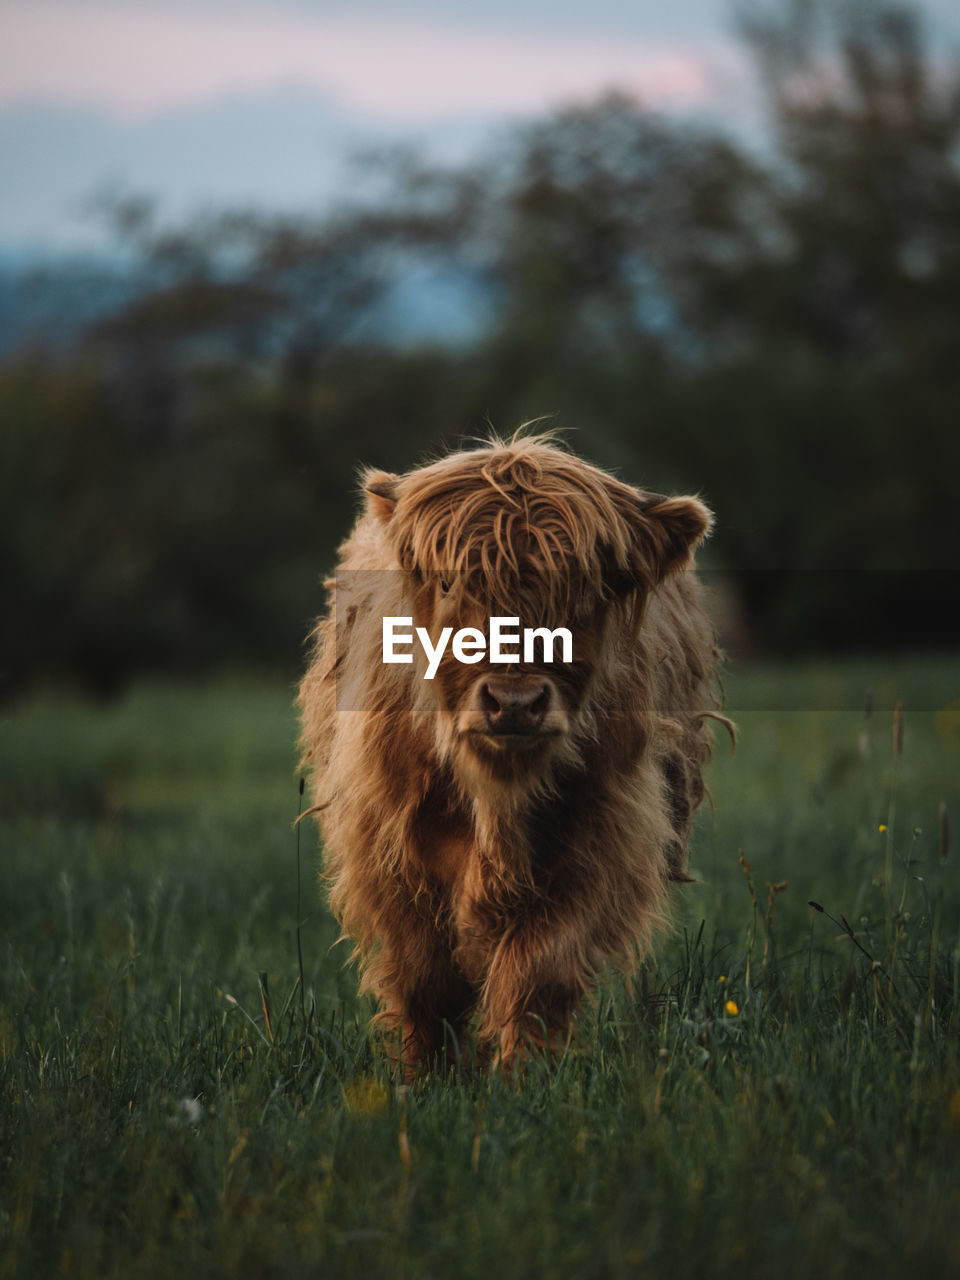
[{"x": 516, "y": 706}]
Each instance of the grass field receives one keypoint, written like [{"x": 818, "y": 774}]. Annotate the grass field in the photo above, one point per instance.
[{"x": 773, "y": 1098}]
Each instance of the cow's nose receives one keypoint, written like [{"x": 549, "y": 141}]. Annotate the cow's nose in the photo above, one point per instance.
[{"x": 512, "y": 706}]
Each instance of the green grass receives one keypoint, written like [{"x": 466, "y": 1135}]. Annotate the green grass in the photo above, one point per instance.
[{"x": 151, "y": 1124}]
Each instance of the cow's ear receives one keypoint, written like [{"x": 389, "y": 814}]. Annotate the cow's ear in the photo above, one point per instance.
[
  {"x": 668, "y": 531},
  {"x": 381, "y": 490}
]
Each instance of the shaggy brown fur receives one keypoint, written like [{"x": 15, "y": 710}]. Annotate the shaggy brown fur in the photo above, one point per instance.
[{"x": 496, "y": 836}]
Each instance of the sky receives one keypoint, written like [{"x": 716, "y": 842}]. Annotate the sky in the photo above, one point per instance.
[{"x": 216, "y": 103}]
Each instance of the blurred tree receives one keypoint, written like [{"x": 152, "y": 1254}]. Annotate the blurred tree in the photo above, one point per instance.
[
  {"x": 867, "y": 219},
  {"x": 777, "y": 329},
  {"x": 843, "y": 333}
]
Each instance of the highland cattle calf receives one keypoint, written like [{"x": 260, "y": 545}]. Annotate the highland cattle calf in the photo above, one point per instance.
[{"x": 498, "y": 834}]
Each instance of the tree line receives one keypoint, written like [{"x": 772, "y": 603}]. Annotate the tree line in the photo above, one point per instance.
[{"x": 776, "y": 326}]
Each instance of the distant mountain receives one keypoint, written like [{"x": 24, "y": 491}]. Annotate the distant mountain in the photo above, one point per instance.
[
  {"x": 50, "y": 300},
  {"x": 285, "y": 150}
]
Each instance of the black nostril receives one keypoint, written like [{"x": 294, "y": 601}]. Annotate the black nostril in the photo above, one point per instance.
[
  {"x": 488, "y": 703},
  {"x": 541, "y": 703}
]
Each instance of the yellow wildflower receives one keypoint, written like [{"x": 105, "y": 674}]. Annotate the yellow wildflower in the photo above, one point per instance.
[
  {"x": 732, "y": 1008},
  {"x": 365, "y": 1096}
]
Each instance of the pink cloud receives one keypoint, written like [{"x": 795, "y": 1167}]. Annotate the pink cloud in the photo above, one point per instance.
[{"x": 141, "y": 62}]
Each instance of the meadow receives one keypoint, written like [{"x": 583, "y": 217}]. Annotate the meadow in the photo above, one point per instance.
[{"x": 778, "y": 1092}]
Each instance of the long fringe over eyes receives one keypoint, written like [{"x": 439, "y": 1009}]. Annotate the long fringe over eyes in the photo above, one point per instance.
[{"x": 521, "y": 521}]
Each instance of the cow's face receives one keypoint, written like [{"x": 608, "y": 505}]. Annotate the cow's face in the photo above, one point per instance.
[
  {"x": 510, "y": 719},
  {"x": 517, "y": 533}
]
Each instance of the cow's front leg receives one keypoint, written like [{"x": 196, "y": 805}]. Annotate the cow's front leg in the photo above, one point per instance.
[
  {"x": 425, "y": 1005},
  {"x": 537, "y": 979}
]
